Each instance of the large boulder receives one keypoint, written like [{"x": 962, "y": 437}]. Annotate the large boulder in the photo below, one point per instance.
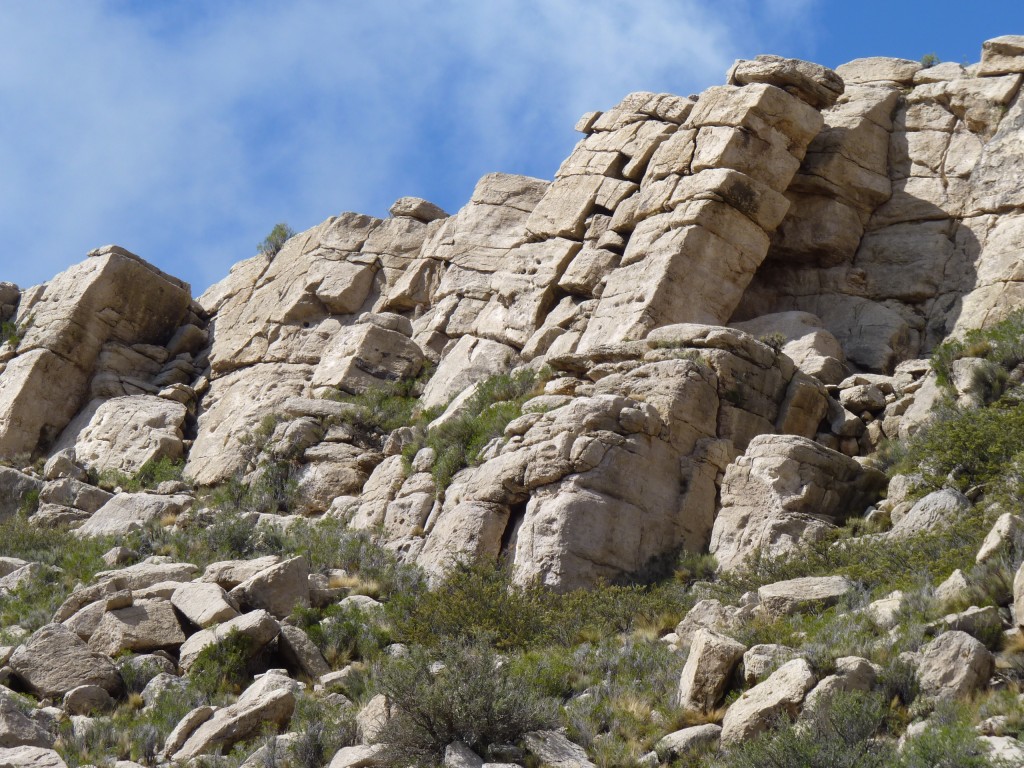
[
  {"x": 111, "y": 296},
  {"x": 17, "y": 729},
  {"x": 953, "y": 666},
  {"x": 709, "y": 667},
  {"x": 123, "y": 433},
  {"x": 16, "y": 489},
  {"x": 204, "y": 604},
  {"x": 259, "y": 626},
  {"x": 786, "y": 490},
  {"x": 127, "y": 512},
  {"x": 146, "y": 625},
  {"x": 808, "y": 593},
  {"x": 278, "y": 589},
  {"x": 55, "y": 660},
  {"x": 779, "y": 696}
]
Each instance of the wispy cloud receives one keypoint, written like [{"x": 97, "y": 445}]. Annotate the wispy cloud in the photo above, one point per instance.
[{"x": 185, "y": 130}]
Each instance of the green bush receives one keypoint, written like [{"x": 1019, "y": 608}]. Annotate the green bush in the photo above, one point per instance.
[
  {"x": 967, "y": 448},
  {"x": 1003, "y": 344},
  {"x": 458, "y": 442},
  {"x": 275, "y": 241},
  {"x": 949, "y": 742},
  {"x": 149, "y": 475},
  {"x": 223, "y": 667},
  {"x": 322, "y": 729},
  {"x": 343, "y": 633},
  {"x": 472, "y": 698},
  {"x": 384, "y": 408}
]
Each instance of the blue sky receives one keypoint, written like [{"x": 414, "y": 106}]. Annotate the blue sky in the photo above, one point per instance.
[{"x": 185, "y": 130}]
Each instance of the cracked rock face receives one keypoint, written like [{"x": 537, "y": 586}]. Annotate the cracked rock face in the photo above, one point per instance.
[{"x": 838, "y": 222}]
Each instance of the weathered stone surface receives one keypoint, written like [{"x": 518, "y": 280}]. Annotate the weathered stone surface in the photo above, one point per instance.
[
  {"x": 458, "y": 755},
  {"x": 146, "y": 625},
  {"x": 301, "y": 653},
  {"x": 709, "y": 667},
  {"x": 808, "y": 593},
  {"x": 359, "y": 757},
  {"x": 785, "y": 490},
  {"x": 230, "y": 573},
  {"x": 416, "y": 208},
  {"x": 1002, "y": 55},
  {"x": 258, "y": 625},
  {"x": 153, "y": 570},
  {"x": 204, "y": 604},
  {"x": 30, "y": 757},
  {"x": 127, "y": 512},
  {"x": 936, "y": 510},
  {"x": 1006, "y": 536},
  {"x": 55, "y": 660},
  {"x": 780, "y": 695},
  {"x": 876, "y": 69},
  {"x": 471, "y": 360},
  {"x": 87, "y": 700},
  {"x": 813, "y": 83},
  {"x": 278, "y": 589},
  {"x": 257, "y": 707},
  {"x": 123, "y": 433},
  {"x": 954, "y": 665},
  {"x": 17, "y": 729},
  {"x": 14, "y": 487},
  {"x": 697, "y": 737},
  {"x": 555, "y": 750},
  {"x": 372, "y": 718},
  {"x": 761, "y": 660}
]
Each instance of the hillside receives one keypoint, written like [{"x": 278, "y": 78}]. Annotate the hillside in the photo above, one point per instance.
[{"x": 705, "y": 453}]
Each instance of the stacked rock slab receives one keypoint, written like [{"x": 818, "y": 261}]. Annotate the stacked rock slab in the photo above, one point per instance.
[
  {"x": 903, "y": 226},
  {"x": 699, "y": 225},
  {"x": 111, "y": 297}
]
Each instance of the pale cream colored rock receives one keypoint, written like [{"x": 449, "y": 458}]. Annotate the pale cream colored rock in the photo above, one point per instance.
[
  {"x": 953, "y": 666},
  {"x": 554, "y": 749},
  {"x": 372, "y": 718},
  {"x": 707, "y": 614},
  {"x": 17, "y": 729},
  {"x": 458, "y": 755},
  {"x": 14, "y": 486},
  {"x": 941, "y": 72},
  {"x": 876, "y": 69},
  {"x": 254, "y": 710},
  {"x": 815, "y": 351},
  {"x": 146, "y": 625},
  {"x": 954, "y": 588},
  {"x": 812, "y": 83},
  {"x": 785, "y": 490},
  {"x": 127, "y": 512},
  {"x": 278, "y": 589},
  {"x": 469, "y": 531},
  {"x": 1006, "y": 535},
  {"x": 363, "y": 356},
  {"x": 72, "y": 493},
  {"x": 230, "y": 573},
  {"x": 124, "y": 433},
  {"x": 469, "y": 361},
  {"x": 86, "y": 700},
  {"x": 936, "y": 510},
  {"x": 1002, "y": 55},
  {"x": 709, "y": 667},
  {"x": 762, "y": 660},
  {"x": 697, "y": 737},
  {"x": 780, "y": 695},
  {"x": 54, "y": 660},
  {"x": 204, "y": 603},
  {"x": 807, "y": 593},
  {"x": 258, "y": 625},
  {"x": 301, "y": 653},
  {"x": 417, "y": 208},
  {"x": 886, "y": 611},
  {"x": 359, "y": 757},
  {"x": 111, "y": 296},
  {"x": 1005, "y": 749},
  {"x": 30, "y": 757}
]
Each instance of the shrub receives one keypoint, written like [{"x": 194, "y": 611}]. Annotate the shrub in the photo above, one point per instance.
[
  {"x": 322, "y": 729},
  {"x": 774, "y": 340},
  {"x": 458, "y": 442},
  {"x": 838, "y": 734},
  {"x": 930, "y": 60},
  {"x": 382, "y": 409},
  {"x": 1002, "y": 343},
  {"x": 966, "y": 447},
  {"x": 275, "y": 241},
  {"x": 473, "y": 698},
  {"x": 949, "y": 742},
  {"x": 222, "y": 667},
  {"x": 343, "y": 633}
]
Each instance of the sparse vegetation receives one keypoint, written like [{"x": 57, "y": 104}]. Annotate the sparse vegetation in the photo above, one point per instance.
[{"x": 275, "y": 241}]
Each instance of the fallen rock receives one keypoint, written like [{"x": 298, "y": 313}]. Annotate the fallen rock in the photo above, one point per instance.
[
  {"x": 780, "y": 695},
  {"x": 359, "y": 757},
  {"x": 17, "y": 729},
  {"x": 30, "y": 757},
  {"x": 55, "y": 660},
  {"x": 953, "y": 666},
  {"x": 277, "y": 589},
  {"x": 812, "y": 83},
  {"x": 88, "y": 700},
  {"x": 258, "y": 625},
  {"x": 936, "y": 510},
  {"x": 680, "y": 743},
  {"x": 204, "y": 603},
  {"x": 127, "y": 512},
  {"x": 553, "y": 749},
  {"x": 808, "y": 593},
  {"x": 709, "y": 667},
  {"x": 301, "y": 653},
  {"x": 146, "y": 625},
  {"x": 1005, "y": 537},
  {"x": 761, "y": 660}
]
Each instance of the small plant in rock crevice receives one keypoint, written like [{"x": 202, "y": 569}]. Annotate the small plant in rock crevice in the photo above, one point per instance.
[{"x": 274, "y": 242}]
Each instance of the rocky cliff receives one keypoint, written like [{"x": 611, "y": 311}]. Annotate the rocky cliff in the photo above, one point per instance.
[{"x": 695, "y": 338}]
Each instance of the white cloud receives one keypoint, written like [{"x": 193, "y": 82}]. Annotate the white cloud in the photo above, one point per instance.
[{"x": 185, "y": 131}]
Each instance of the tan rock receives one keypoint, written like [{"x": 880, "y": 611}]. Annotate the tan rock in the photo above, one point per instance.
[
  {"x": 953, "y": 666},
  {"x": 554, "y": 749},
  {"x": 128, "y": 512},
  {"x": 807, "y": 593},
  {"x": 204, "y": 604},
  {"x": 30, "y": 757},
  {"x": 877, "y": 69},
  {"x": 812, "y": 83},
  {"x": 709, "y": 667},
  {"x": 146, "y": 625},
  {"x": 278, "y": 589},
  {"x": 55, "y": 660},
  {"x": 258, "y": 625},
  {"x": 780, "y": 695},
  {"x": 692, "y": 739},
  {"x": 1002, "y": 55},
  {"x": 762, "y": 660}
]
